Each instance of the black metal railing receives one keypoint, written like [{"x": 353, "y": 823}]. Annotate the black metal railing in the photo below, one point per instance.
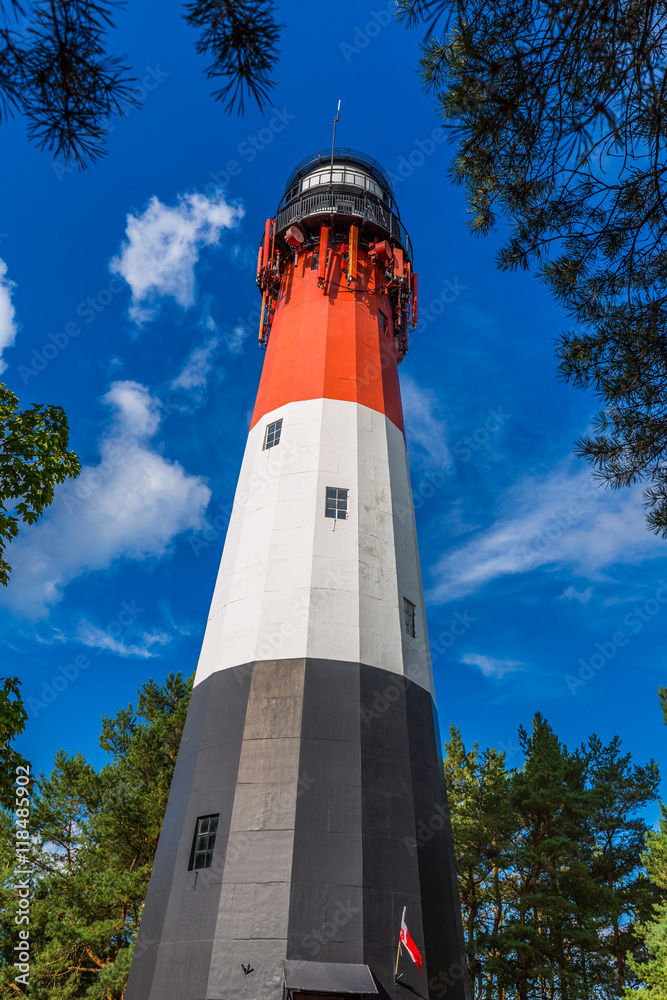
[
  {"x": 342, "y": 154},
  {"x": 343, "y": 201}
]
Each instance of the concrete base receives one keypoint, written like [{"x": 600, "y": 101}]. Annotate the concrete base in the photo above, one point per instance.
[{"x": 328, "y": 780}]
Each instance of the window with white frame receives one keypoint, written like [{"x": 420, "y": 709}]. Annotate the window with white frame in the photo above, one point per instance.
[
  {"x": 272, "y": 436},
  {"x": 336, "y": 503}
]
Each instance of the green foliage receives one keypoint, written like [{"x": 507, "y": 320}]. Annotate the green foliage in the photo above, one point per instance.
[
  {"x": 649, "y": 962},
  {"x": 558, "y": 109},
  {"x": 55, "y": 69},
  {"x": 549, "y": 864},
  {"x": 13, "y": 718},
  {"x": 95, "y": 838},
  {"x": 33, "y": 459}
]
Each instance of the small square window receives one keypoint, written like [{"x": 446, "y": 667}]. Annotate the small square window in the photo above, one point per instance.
[
  {"x": 409, "y": 610},
  {"x": 203, "y": 843},
  {"x": 272, "y": 436},
  {"x": 336, "y": 503}
]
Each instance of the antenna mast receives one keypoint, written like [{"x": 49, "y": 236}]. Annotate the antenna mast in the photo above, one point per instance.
[{"x": 333, "y": 142}]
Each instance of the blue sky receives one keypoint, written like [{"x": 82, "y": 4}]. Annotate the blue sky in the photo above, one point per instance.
[{"x": 554, "y": 584}]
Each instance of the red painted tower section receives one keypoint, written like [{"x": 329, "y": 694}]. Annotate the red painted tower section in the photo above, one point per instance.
[{"x": 332, "y": 344}]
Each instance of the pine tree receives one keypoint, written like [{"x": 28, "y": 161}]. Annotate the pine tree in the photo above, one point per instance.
[
  {"x": 650, "y": 962},
  {"x": 620, "y": 791},
  {"x": 56, "y": 70},
  {"x": 549, "y": 864},
  {"x": 13, "y": 718},
  {"x": 558, "y": 113},
  {"x": 552, "y": 923},
  {"x": 477, "y": 789},
  {"x": 97, "y": 834}
]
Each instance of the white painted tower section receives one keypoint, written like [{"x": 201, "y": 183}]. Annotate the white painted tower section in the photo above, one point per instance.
[{"x": 293, "y": 583}]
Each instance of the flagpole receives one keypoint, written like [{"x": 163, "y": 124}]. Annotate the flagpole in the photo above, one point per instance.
[{"x": 398, "y": 950}]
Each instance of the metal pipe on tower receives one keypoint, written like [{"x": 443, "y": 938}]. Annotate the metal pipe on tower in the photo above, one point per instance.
[{"x": 307, "y": 824}]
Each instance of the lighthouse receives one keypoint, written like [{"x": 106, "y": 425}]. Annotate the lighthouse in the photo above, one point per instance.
[{"x": 307, "y": 825}]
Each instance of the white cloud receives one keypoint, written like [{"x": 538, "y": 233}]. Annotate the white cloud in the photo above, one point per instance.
[
  {"x": 163, "y": 246},
  {"x": 194, "y": 375},
  {"x": 135, "y": 410},
  {"x": 563, "y": 520},
  {"x": 611, "y": 601},
  {"x": 583, "y": 596},
  {"x": 8, "y": 327},
  {"x": 235, "y": 340},
  {"x": 96, "y": 638},
  {"x": 492, "y": 666},
  {"x": 426, "y": 432},
  {"x": 130, "y": 506},
  {"x": 176, "y": 627}
]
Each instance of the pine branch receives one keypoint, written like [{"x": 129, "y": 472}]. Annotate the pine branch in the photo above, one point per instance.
[{"x": 242, "y": 40}]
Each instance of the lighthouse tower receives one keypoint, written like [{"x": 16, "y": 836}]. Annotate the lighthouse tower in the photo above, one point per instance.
[{"x": 307, "y": 812}]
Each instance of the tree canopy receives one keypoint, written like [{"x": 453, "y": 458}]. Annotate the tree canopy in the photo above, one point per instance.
[
  {"x": 94, "y": 835},
  {"x": 558, "y": 112},
  {"x": 33, "y": 459},
  {"x": 549, "y": 864},
  {"x": 13, "y": 718},
  {"x": 649, "y": 963}
]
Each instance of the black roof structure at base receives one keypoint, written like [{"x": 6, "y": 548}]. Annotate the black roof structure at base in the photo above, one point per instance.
[{"x": 328, "y": 979}]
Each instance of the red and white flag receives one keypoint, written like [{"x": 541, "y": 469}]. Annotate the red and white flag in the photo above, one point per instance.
[{"x": 411, "y": 947}]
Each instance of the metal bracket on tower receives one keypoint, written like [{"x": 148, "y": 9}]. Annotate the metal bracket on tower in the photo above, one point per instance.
[{"x": 268, "y": 279}]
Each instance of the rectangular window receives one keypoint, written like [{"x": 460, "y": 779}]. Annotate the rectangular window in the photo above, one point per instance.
[
  {"x": 201, "y": 855},
  {"x": 409, "y": 610},
  {"x": 316, "y": 259},
  {"x": 336, "y": 503},
  {"x": 384, "y": 322},
  {"x": 272, "y": 436}
]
